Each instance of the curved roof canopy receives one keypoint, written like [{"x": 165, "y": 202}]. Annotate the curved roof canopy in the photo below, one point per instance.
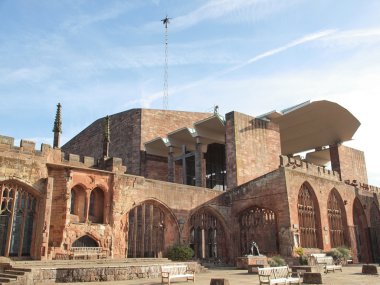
[{"x": 313, "y": 124}]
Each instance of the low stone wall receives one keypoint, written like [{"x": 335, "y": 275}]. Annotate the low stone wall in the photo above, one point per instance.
[{"x": 100, "y": 273}]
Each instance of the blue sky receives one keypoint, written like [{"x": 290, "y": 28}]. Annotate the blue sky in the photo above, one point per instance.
[{"x": 253, "y": 56}]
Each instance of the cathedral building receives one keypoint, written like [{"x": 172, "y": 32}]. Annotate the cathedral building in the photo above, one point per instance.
[{"x": 135, "y": 183}]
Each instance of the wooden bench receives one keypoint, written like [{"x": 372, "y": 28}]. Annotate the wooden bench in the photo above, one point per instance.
[
  {"x": 277, "y": 275},
  {"x": 169, "y": 272},
  {"x": 326, "y": 262},
  {"x": 87, "y": 252}
]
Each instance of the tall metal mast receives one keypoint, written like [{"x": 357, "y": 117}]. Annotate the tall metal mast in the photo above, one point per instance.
[{"x": 166, "y": 22}]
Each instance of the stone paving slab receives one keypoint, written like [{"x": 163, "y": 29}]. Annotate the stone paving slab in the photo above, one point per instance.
[{"x": 351, "y": 275}]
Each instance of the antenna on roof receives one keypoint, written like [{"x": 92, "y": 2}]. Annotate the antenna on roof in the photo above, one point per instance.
[{"x": 166, "y": 22}]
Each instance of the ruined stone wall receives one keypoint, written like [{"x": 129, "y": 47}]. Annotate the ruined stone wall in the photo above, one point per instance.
[
  {"x": 322, "y": 182},
  {"x": 265, "y": 192},
  {"x": 349, "y": 162},
  {"x": 252, "y": 148}
]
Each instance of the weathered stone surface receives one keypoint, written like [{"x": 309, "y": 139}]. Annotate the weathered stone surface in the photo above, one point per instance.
[
  {"x": 369, "y": 269},
  {"x": 312, "y": 278}
]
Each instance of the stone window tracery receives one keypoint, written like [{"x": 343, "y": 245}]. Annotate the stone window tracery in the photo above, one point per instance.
[
  {"x": 17, "y": 214},
  {"x": 308, "y": 218},
  {"x": 335, "y": 216},
  {"x": 207, "y": 237},
  {"x": 256, "y": 224},
  {"x": 146, "y": 233}
]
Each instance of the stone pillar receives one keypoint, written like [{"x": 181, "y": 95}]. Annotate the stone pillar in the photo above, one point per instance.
[
  {"x": 47, "y": 215},
  {"x": 87, "y": 205},
  {"x": 171, "y": 165},
  {"x": 200, "y": 171}
]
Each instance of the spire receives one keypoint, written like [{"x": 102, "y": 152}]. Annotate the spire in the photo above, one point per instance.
[
  {"x": 57, "y": 129},
  {"x": 106, "y": 136}
]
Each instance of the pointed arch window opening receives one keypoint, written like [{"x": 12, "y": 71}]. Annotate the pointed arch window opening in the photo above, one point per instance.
[
  {"x": 336, "y": 223},
  {"x": 256, "y": 224},
  {"x": 307, "y": 218},
  {"x": 17, "y": 215},
  {"x": 146, "y": 233}
]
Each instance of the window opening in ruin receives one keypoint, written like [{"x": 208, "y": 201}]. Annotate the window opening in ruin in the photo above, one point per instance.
[
  {"x": 146, "y": 231},
  {"x": 72, "y": 202},
  {"x": 216, "y": 166},
  {"x": 85, "y": 241},
  {"x": 78, "y": 203},
  {"x": 375, "y": 232},
  {"x": 17, "y": 214},
  {"x": 257, "y": 224},
  {"x": 96, "y": 206},
  {"x": 361, "y": 231},
  {"x": 308, "y": 218},
  {"x": 335, "y": 215},
  {"x": 207, "y": 236}
]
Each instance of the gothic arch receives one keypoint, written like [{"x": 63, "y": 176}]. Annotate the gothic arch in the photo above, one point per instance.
[
  {"x": 151, "y": 229},
  {"x": 375, "y": 231},
  {"x": 257, "y": 224},
  {"x": 361, "y": 232},
  {"x": 337, "y": 219},
  {"x": 18, "y": 218},
  {"x": 78, "y": 202},
  {"x": 208, "y": 234},
  {"x": 86, "y": 240},
  {"x": 96, "y": 207},
  {"x": 309, "y": 218}
]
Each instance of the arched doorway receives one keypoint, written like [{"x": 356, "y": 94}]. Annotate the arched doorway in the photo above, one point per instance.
[
  {"x": 85, "y": 241},
  {"x": 207, "y": 236},
  {"x": 337, "y": 220},
  {"x": 150, "y": 226},
  {"x": 17, "y": 217},
  {"x": 258, "y": 224},
  {"x": 361, "y": 232},
  {"x": 309, "y": 218},
  {"x": 375, "y": 232}
]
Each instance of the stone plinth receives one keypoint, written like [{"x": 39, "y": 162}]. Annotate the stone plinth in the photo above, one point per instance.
[
  {"x": 243, "y": 262},
  {"x": 305, "y": 268},
  {"x": 253, "y": 269},
  {"x": 369, "y": 269},
  {"x": 312, "y": 278}
]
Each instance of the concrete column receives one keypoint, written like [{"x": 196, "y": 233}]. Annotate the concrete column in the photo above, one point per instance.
[
  {"x": 184, "y": 170},
  {"x": 171, "y": 165},
  {"x": 200, "y": 170}
]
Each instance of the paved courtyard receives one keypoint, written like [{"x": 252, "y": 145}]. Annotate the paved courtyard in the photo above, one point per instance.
[{"x": 350, "y": 275}]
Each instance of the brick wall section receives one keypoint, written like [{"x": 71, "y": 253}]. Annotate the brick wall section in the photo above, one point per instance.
[
  {"x": 129, "y": 131},
  {"x": 255, "y": 148},
  {"x": 125, "y": 129},
  {"x": 349, "y": 162}
]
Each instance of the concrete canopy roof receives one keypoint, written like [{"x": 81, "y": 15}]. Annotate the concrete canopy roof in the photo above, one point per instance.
[
  {"x": 320, "y": 157},
  {"x": 313, "y": 124},
  {"x": 157, "y": 146},
  {"x": 211, "y": 130},
  {"x": 183, "y": 136}
]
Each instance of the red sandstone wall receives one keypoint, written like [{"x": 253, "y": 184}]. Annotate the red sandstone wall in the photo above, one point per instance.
[
  {"x": 349, "y": 162},
  {"x": 252, "y": 148}
]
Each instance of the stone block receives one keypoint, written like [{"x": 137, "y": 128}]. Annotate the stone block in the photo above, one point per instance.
[
  {"x": 28, "y": 146},
  {"x": 219, "y": 281},
  {"x": 312, "y": 278},
  {"x": 369, "y": 269},
  {"x": 7, "y": 140}
]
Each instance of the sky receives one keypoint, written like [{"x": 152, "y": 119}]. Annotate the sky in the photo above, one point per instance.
[{"x": 252, "y": 56}]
